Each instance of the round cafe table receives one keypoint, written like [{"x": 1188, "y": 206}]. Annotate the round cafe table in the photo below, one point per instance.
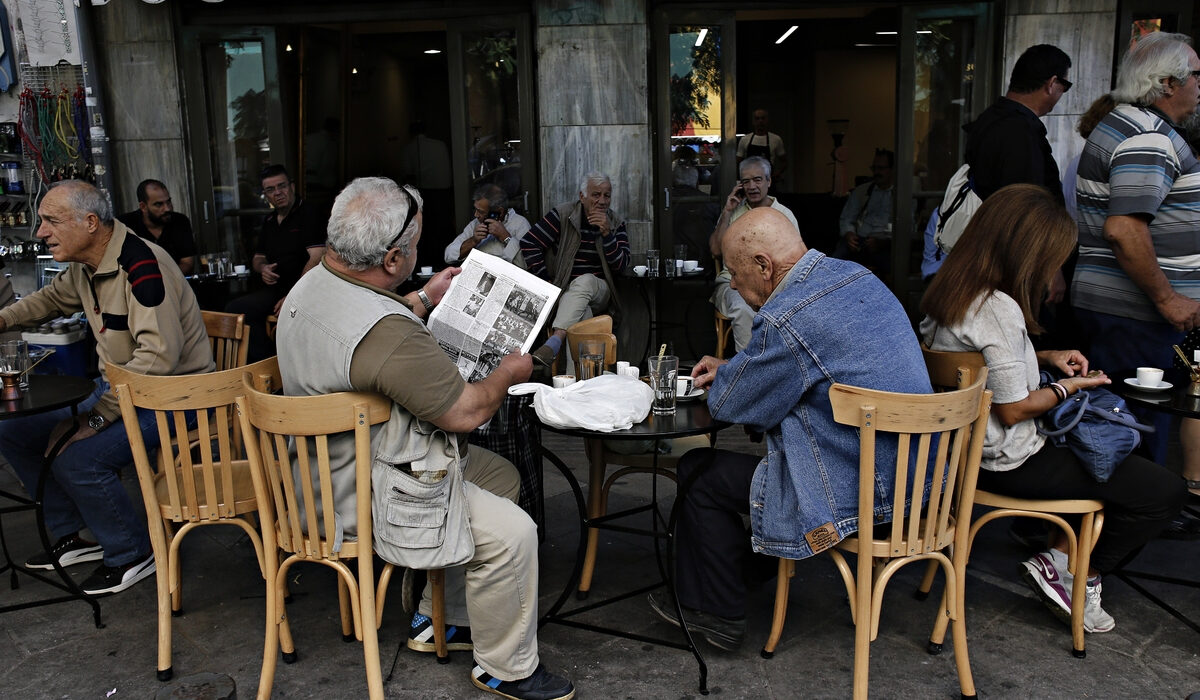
[{"x": 45, "y": 393}]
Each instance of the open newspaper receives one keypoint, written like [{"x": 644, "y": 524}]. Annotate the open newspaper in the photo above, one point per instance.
[{"x": 491, "y": 309}]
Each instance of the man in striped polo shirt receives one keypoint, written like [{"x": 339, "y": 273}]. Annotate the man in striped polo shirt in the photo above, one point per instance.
[
  {"x": 580, "y": 246},
  {"x": 1137, "y": 284}
]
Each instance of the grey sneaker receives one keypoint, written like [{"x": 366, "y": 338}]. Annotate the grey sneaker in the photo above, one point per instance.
[
  {"x": 1095, "y": 619},
  {"x": 1046, "y": 580},
  {"x": 723, "y": 633}
]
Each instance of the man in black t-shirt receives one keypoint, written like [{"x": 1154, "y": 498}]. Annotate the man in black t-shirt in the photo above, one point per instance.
[
  {"x": 290, "y": 243},
  {"x": 156, "y": 220}
]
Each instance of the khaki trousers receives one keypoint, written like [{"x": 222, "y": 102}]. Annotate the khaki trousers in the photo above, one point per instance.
[{"x": 496, "y": 593}]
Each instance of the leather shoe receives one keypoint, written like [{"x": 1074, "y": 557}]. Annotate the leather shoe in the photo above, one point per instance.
[
  {"x": 544, "y": 356},
  {"x": 723, "y": 633}
]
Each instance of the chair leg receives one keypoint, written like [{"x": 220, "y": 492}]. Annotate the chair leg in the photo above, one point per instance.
[
  {"x": 862, "y": 625},
  {"x": 385, "y": 577},
  {"x": 365, "y": 592},
  {"x": 161, "y": 579},
  {"x": 595, "y": 451},
  {"x": 1079, "y": 586},
  {"x": 271, "y": 638},
  {"x": 787, "y": 569},
  {"x": 962, "y": 661},
  {"x": 346, "y": 612},
  {"x": 437, "y": 580},
  {"x": 922, "y": 591}
]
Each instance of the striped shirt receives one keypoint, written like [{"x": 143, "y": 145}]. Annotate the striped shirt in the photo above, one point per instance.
[
  {"x": 1135, "y": 163},
  {"x": 544, "y": 236}
]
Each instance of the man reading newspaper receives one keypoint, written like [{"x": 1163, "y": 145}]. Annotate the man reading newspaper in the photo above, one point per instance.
[{"x": 343, "y": 328}]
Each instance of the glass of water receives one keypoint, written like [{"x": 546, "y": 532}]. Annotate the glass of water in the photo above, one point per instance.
[
  {"x": 591, "y": 359},
  {"x": 652, "y": 262},
  {"x": 663, "y": 371}
]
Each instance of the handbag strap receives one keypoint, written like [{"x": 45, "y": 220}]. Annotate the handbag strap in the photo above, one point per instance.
[
  {"x": 1074, "y": 421},
  {"x": 1130, "y": 422}
]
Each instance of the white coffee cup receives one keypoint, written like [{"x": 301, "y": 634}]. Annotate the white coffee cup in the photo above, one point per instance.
[
  {"x": 427, "y": 270},
  {"x": 239, "y": 269},
  {"x": 621, "y": 367},
  {"x": 683, "y": 385},
  {"x": 1149, "y": 376},
  {"x": 563, "y": 380},
  {"x": 640, "y": 270},
  {"x": 632, "y": 372},
  {"x": 690, "y": 265}
]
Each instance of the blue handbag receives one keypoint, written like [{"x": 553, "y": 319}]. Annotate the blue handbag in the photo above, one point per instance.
[{"x": 1098, "y": 427}]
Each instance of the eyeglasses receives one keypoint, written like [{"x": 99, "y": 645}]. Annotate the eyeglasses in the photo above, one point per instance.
[
  {"x": 1065, "y": 83},
  {"x": 756, "y": 180},
  {"x": 412, "y": 211},
  {"x": 276, "y": 188}
]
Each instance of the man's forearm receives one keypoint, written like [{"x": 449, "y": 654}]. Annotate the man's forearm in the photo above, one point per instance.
[{"x": 1134, "y": 251}]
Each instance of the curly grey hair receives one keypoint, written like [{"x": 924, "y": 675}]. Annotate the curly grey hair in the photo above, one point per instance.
[
  {"x": 594, "y": 176},
  {"x": 366, "y": 218},
  {"x": 1155, "y": 57},
  {"x": 85, "y": 198}
]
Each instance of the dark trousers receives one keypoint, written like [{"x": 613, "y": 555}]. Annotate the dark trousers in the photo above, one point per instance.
[
  {"x": 713, "y": 555},
  {"x": 256, "y": 306},
  {"x": 1119, "y": 346},
  {"x": 1140, "y": 499}
]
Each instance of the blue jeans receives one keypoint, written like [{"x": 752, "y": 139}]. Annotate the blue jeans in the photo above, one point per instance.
[
  {"x": 83, "y": 487},
  {"x": 1119, "y": 346}
]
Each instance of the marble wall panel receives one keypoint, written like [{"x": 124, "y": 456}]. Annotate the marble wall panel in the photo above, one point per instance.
[
  {"x": 1086, "y": 37},
  {"x": 133, "y": 21},
  {"x": 578, "y": 12},
  {"x": 592, "y": 75},
  {"x": 1064, "y": 140},
  {"x": 621, "y": 151},
  {"x": 1027, "y": 7},
  {"x": 141, "y": 91},
  {"x": 162, "y": 159}
]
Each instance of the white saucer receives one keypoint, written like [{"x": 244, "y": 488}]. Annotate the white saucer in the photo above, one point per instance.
[
  {"x": 1133, "y": 382},
  {"x": 695, "y": 394},
  {"x": 422, "y": 276},
  {"x": 697, "y": 271}
]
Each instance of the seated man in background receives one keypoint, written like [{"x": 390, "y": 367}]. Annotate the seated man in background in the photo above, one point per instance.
[
  {"x": 580, "y": 246},
  {"x": 750, "y": 192},
  {"x": 802, "y": 498},
  {"x": 156, "y": 220},
  {"x": 144, "y": 318},
  {"x": 866, "y": 221},
  {"x": 495, "y": 229},
  {"x": 343, "y": 328}
]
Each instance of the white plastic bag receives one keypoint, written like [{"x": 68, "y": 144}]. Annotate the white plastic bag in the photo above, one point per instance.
[{"x": 604, "y": 404}]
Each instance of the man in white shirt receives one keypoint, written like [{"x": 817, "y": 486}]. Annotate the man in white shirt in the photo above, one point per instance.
[
  {"x": 764, "y": 144},
  {"x": 495, "y": 229}
]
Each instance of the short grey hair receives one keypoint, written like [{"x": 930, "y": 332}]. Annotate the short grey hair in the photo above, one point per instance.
[
  {"x": 495, "y": 195},
  {"x": 1154, "y": 57},
  {"x": 85, "y": 198},
  {"x": 366, "y": 217},
  {"x": 755, "y": 160},
  {"x": 594, "y": 176}
]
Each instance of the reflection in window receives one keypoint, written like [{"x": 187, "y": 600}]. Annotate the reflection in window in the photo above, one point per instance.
[
  {"x": 494, "y": 156},
  {"x": 695, "y": 98}
]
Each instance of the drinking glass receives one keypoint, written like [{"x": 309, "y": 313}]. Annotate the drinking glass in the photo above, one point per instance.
[
  {"x": 652, "y": 262},
  {"x": 681, "y": 251},
  {"x": 663, "y": 369},
  {"x": 591, "y": 359},
  {"x": 669, "y": 267},
  {"x": 14, "y": 360}
]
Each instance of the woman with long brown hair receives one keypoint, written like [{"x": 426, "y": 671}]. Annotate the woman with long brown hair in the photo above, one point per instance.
[{"x": 986, "y": 299}]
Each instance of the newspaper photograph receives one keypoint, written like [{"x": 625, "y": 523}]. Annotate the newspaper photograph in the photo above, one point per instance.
[{"x": 491, "y": 309}]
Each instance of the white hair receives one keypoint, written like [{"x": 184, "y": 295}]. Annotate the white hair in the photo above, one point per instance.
[
  {"x": 594, "y": 176},
  {"x": 366, "y": 218},
  {"x": 84, "y": 198},
  {"x": 759, "y": 161},
  {"x": 1154, "y": 57}
]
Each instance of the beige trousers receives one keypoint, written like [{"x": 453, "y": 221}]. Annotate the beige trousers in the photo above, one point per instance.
[{"x": 496, "y": 592}]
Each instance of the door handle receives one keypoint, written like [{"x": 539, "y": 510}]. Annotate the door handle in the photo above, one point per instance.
[
  {"x": 667, "y": 195},
  {"x": 526, "y": 201},
  {"x": 206, "y": 217}
]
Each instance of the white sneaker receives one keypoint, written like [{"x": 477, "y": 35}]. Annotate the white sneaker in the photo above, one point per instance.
[{"x": 1095, "y": 619}]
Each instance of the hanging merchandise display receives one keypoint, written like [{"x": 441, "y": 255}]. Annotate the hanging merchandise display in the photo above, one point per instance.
[{"x": 53, "y": 133}]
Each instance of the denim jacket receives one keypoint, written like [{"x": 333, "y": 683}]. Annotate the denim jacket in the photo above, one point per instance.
[{"x": 828, "y": 321}]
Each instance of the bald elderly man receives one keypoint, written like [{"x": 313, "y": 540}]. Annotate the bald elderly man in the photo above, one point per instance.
[{"x": 819, "y": 321}]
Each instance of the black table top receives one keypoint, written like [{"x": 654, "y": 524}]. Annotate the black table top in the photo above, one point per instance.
[
  {"x": 690, "y": 418},
  {"x": 46, "y": 393}
]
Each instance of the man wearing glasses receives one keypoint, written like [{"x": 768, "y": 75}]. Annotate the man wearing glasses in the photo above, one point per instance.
[
  {"x": 750, "y": 192},
  {"x": 494, "y": 229},
  {"x": 290, "y": 243}
]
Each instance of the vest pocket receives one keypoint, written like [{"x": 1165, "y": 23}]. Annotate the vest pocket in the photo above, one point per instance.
[{"x": 416, "y": 512}]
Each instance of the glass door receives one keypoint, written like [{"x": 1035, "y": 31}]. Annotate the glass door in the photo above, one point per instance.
[
  {"x": 491, "y": 112},
  {"x": 236, "y": 123},
  {"x": 945, "y": 80}
]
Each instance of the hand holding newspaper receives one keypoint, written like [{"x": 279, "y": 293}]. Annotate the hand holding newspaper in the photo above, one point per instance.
[{"x": 492, "y": 308}]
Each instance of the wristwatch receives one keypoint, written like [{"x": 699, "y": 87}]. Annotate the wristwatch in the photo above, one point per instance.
[
  {"x": 425, "y": 299},
  {"x": 96, "y": 421}
]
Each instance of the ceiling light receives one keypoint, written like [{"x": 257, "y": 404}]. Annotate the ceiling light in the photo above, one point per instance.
[
  {"x": 433, "y": 50},
  {"x": 889, "y": 33},
  {"x": 787, "y": 34},
  {"x": 288, "y": 47},
  {"x": 354, "y": 71},
  {"x": 703, "y": 33},
  {"x": 924, "y": 31}
]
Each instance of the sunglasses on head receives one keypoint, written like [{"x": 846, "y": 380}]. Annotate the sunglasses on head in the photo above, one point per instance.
[{"x": 412, "y": 212}]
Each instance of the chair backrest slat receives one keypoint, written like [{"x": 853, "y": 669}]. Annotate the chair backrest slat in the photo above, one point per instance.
[{"x": 229, "y": 335}]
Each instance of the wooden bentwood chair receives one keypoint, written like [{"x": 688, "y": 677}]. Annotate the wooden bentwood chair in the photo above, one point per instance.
[
  {"x": 229, "y": 336},
  {"x": 955, "y": 369},
  {"x": 957, "y": 421},
  {"x": 206, "y": 482},
  {"x": 600, "y": 456}
]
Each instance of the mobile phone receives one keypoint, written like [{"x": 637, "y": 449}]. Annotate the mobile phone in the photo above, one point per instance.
[
  {"x": 739, "y": 192},
  {"x": 494, "y": 215}
]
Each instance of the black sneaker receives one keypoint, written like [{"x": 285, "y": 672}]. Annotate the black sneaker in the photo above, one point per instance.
[
  {"x": 539, "y": 685},
  {"x": 420, "y": 636},
  {"x": 114, "y": 579},
  {"x": 69, "y": 550},
  {"x": 720, "y": 632}
]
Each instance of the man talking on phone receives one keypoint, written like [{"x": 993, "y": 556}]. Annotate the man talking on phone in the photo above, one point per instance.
[
  {"x": 580, "y": 246},
  {"x": 494, "y": 228},
  {"x": 750, "y": 192}
]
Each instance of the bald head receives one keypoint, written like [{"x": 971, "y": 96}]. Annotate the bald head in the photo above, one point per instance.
[{"x": 759, "y": 249}]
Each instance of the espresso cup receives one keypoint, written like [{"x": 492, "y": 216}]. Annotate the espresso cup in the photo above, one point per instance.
[
  {"x": 427, "y": 270},
  {"x": 622, "y": 365},
  {"x": 640, "y": 270},
  {"x": 683, "y": 386},
  {"x": 1149, "y": 377},
  {"x": 563, "y": 380},
  {"x": 690, "y": 265},
  {"x": 239, "y": 269}
]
